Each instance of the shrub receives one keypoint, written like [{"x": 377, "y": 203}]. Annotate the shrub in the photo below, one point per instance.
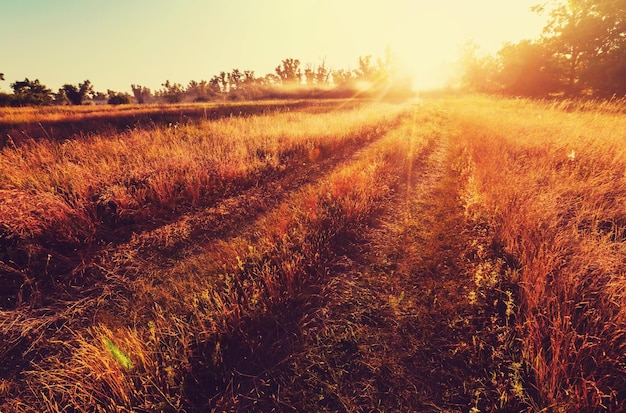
[
  {"x": 119, "y": 99},
  {"x": 5, "y": 99}
]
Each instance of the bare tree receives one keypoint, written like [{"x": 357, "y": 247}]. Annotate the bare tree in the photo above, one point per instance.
[
  {"x": 142, "y": 93},
  {"x": 322, "y": 74},
  {"x": 309, "y": 74}
]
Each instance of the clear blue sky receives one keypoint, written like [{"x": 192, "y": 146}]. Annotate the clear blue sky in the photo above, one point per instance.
[{"x": 115, "y": 43}]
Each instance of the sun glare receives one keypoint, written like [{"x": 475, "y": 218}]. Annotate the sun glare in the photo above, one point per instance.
[
  {"x": 426, "y": 36},
  {"x": 425, "y": 70},
  {"x": 427, "y": 39}
]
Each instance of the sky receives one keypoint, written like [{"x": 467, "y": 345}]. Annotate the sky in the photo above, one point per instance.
[{"x": 116, "y": 43}]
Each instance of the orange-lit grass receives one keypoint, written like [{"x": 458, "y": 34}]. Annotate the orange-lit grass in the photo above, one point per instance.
[
  {"x": 43, "y": 114},
  {"x": 81, "y": 192},
  {"x": 169, "y": 166},
  {"x": 181, "y": 327},
  {"x": 606, "y": 106},
  {"x": 553, "y": 185}
]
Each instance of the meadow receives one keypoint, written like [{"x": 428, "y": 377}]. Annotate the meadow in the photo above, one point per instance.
[
  {"x": 25, "y": 124},
  {"x": 455, "y": 254}
]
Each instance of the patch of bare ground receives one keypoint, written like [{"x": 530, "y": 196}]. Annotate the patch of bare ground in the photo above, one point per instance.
[{"x": 419, "y": 314}]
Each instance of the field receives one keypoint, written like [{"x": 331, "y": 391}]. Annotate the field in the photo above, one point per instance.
[{"x": 455, "y": 254}]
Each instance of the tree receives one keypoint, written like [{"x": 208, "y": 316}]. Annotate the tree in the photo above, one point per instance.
[
  {"x": 172, "y": 92},
  {"x": 582, "y": 52},
  {"x": 289, "y": 71},
  {"x": 223, "y": 82},
  {"x": 525, "y": 69},
  {"x": 215, "y": 85},
  {"x": 322, "y": 74},
  {"x": 309, "y": 75},
  {"x": 235, "y": 79},
  {"x": 200, "y": 91},
  {"x": 118, "y": 98},
  {"x": 5, "y": 98},
  {"x": 365, "y": 71},
  {"x": 477, "y": 72},
  {"x": 606, "y": 73},
  {"x": 249, "y": 84},
  {"x": 29, "y": 92},
  {"x": 142, "y": 94},
  {"x": 384, "y": 79},
  {"x": 341, "y": 76},
  {"x": 77, "y": 94},
  {"x": 271, "y": 79},
  {"x": 588, "y": 42},
  {"x": 378, "y": 75},
  {"x": 248, "y": 77}
]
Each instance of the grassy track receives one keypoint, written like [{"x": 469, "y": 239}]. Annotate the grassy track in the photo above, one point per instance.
[{"x": 397, "y": 328}]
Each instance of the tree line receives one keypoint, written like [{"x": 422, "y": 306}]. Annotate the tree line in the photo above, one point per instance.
[
  {"x": 581, "y": 52},
  {"x": 290, "y": 79}
]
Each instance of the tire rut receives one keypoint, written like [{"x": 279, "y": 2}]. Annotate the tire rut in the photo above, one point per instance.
[
  {"x": 231, "y": 216},
  {"x": 396, "y": 330}
]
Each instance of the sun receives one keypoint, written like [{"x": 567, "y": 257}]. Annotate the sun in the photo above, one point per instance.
[
  {"x": 425, "y": 50},
  {"x": 424, "y": 71},
  {"x": 428, "y": 68},
  {"x": 427, "y": 38}
]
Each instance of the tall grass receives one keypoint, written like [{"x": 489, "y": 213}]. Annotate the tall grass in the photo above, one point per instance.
[
  {"x": 200, "y": 335},
  {"x": 23, "y": 125},
  {"x": 45, "y": 114},
  {"x": 188, "y": 164},
  {"x": 613, "y": 105},
  {"x": 60, "y": 197},
  {"x": 553, "y": 185},
  {"x": 216, "y": 327}
]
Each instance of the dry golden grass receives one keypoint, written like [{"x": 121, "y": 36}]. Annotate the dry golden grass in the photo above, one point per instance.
[
  {"x": 24, "y": 125},
  {"x": 605, "y": 106},
  {"x": 169, "y": 165},
  {"x": 45, "y": 114},
  {"x": 191, "y": 319},
  {"x": 152, "y": 326},
  {"x": 553, "y": 184},
  {"x": 466, "y": 254},
  {"x": 60, "y": 197}
]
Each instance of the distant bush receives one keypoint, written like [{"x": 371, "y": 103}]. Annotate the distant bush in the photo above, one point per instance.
[
  {"x": 5, "y": 99},
  {"x": 172, "y": 92},
  {"x": 76, "y": 95},
  {"x": 118, "y": 99}
]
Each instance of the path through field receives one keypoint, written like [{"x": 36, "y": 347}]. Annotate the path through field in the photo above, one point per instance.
[
  {"x": 394, "y": 325},
  {"x": 352, "y": 280},
  {"x": 398, "y": 329},
  {"x": 401, "y": 324}
]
